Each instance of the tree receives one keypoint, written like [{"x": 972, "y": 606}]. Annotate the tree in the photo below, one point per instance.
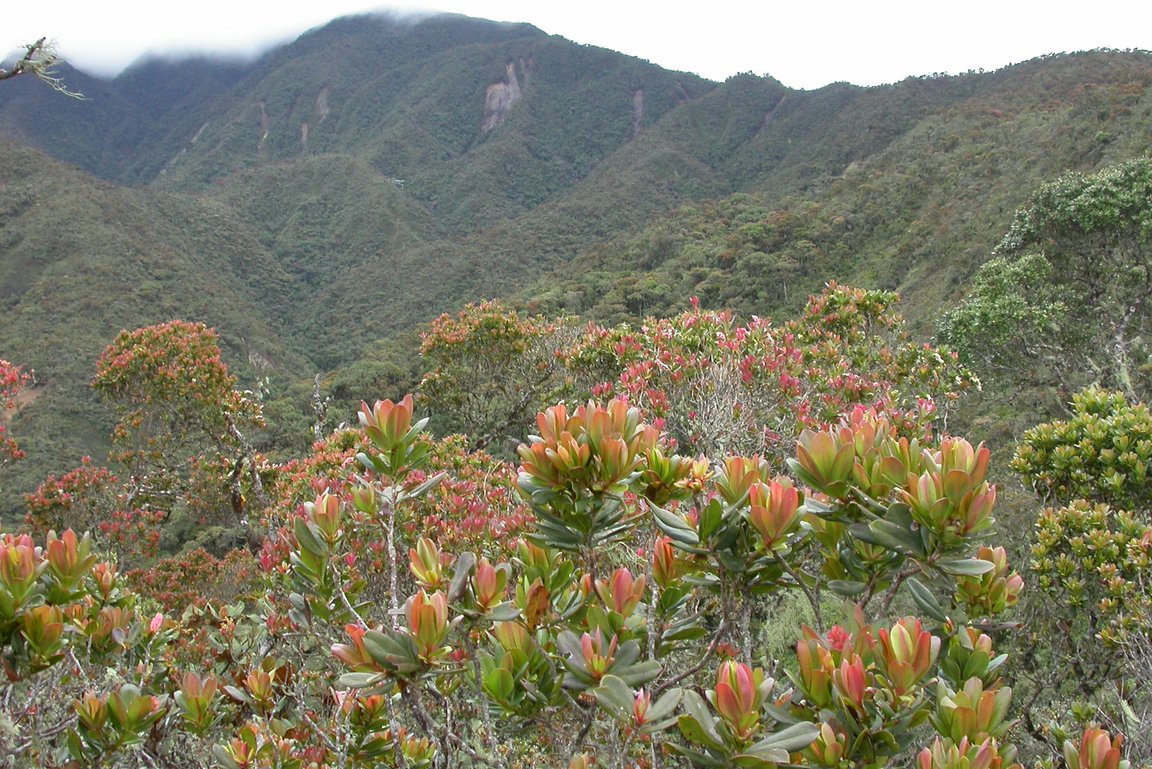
[
  {"x": 489, "y": 370},
  {"x": 38, "y": 60},
  {"x": 1069, "y": 298},
  {"x": 181, "y": 420}
]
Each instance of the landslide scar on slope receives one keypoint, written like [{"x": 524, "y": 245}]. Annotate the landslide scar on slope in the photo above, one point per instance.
[{"x": 500, "y": 98}]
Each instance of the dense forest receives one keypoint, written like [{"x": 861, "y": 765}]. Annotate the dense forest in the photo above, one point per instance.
[{"x": 498, "y": 401}]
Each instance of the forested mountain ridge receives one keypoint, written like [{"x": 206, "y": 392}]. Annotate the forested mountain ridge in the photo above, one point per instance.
[{"x": 360, "y": 180}]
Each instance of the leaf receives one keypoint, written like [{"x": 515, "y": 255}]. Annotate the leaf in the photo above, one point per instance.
[
  {"x": 999, "y": 660},
  {"x": 371, "y": 462},
  {"x": 464, "y": 563},
  {"x": 789, "y": 739},
  {"x": 956, "y": 485},
  {"x": 675, "y": 527},
  {"x": 569, "y": 643},
  {"x": 500, "y": 684},
  {"x": 696, "y": 724},
  {"x": 616, "y": 697},
  {"x": 893, "y": 536},
  {"x": 423, "y": 488},
  {"x": 696, "y": 732},
  {"x": 926, "y": 601},
  {"x": 695, "y": 757},
  {"x": 664, "y": 706},
  {"x": 900, "y": 514},
  {"x": 640, "y": 673},
  {"x": 966, "y": 567},
  {"x": 847, "y": 587},
  {"x": 307, "y": 539},
  {"x": 503, "y": 612},
  {"x": 237, "y": 694},
  {"x": 760, "y": 758},
  {"x": 376, "y": 644},
  {"x": 976, "y": 665},
  {"x": 813, "y": 505},
  {"x": 710, "y": 517},
  {"x": 361, "y": 680}
]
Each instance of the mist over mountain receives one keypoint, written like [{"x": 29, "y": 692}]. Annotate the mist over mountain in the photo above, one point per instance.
[{"x": 347, "y": 187}]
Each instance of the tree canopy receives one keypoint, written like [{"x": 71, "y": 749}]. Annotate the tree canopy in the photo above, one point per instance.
[{"x": 1068, "y": 299}]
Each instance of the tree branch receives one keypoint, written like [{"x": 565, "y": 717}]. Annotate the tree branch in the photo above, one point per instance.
[{"x": 37, "y": 60}]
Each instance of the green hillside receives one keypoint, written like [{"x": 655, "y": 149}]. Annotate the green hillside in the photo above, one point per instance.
[
  {"x": 348, "y": 187},
  {"x": 916, "y": 215},
  {"x": 83, "y": 260}
]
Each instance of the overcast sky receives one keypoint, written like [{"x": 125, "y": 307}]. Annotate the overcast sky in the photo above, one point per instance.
[{"x": 803, "y": 43}]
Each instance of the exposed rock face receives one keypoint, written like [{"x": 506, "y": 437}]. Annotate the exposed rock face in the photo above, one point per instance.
[
  {"x": 319, "y": 114},
  {"x": 637, "y": 111},
  {"x": 264, "y": 128},
  {"x": 322, "y": 108},
  {"x": 500, "y": 98}
]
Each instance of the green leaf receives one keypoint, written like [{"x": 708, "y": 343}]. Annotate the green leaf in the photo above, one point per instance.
[
  {"x": 977, "y": 664},
  {"x": 695, "y": 757},
  {"x": 893, "y": 536},
  {"x": 615, "y": 697},
  {"x": 664, "y": 706},
  {"x": 966, "y": 567},
  {"x": 307, "y": 539},
  {"x": 710, "y": 517},
  {"x": 361, "y": 680},
  {"x": 999, "y": 660},
  {"x": 502, "y": 612},
  {"x": 640, "y": 673},
  {"x": 926, "y": 601},
  {"x": 500, "y": 684},
  {"x": 372, "y": 462},
  {"x": 697, "y": 724},
  {"x": 674, "y": 526},
  {"x": 789, "y": 739},
  {"x": 760, "y": 758},
  {"x": 847, "y": 587},
  {"x": 811, "y": 504}
]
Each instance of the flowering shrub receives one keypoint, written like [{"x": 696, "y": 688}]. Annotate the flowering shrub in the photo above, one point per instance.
[
  {"x": 607, "y": 662},
  {"x": 405, "y": 609},
  {"x": 195, "y": 578},
  {"x": 12, "y": 380},
  {"x": 489, "y": 370},
  {"x": 65, "y": 619},
  {"x": 722, "y": 387},
  {"x": 80, "y": 497},
  {"x": 175, "y": 403}
]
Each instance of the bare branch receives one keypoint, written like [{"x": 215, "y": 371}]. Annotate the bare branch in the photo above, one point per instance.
[{"x": 38, "y": 60}]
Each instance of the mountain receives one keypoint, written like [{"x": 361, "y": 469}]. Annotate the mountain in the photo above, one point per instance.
[
  {"x": 83, "y": 259},
  {"x": 905, "y": 187},
  {"x": 351, "y": 185}
]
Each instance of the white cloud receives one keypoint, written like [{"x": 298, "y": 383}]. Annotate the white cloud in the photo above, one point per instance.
[{"x": 802, "y": 44}]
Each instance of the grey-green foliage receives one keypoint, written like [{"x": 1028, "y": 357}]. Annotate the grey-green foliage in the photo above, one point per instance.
[
  {"x": 1013, "y": 311},
  {"x": 1068, "y": 301}
]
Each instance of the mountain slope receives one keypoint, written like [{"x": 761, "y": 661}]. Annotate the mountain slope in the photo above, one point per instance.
[
  {"x": 916, "y": 210},
  {"x": 83, "y": 260},
  {"x": 351, "y": 185}
]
